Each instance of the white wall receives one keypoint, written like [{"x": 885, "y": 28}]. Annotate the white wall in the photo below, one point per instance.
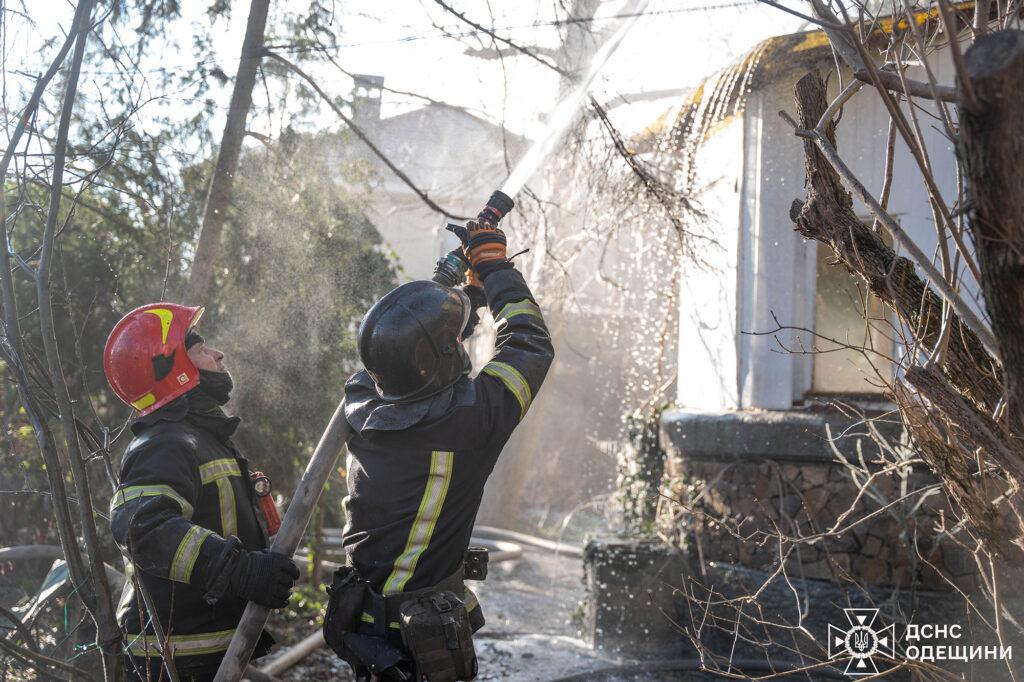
[
  {"x": 707, "y": 297},
  {"x": 776, "y": 265},
  {"x": 456, "y": 158},
  {"x": 413, "y": 231}
]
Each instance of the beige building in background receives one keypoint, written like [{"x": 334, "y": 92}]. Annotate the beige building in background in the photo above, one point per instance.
[{"x": 453, "y": 156}]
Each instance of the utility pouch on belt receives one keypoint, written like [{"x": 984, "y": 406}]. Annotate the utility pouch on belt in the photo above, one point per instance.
[
  {"x": 349, "y": 595},
  {"x": 437, "y": 635}
]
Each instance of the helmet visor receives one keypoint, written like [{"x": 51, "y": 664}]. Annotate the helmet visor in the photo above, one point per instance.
[{"x": 195, "y": 318}]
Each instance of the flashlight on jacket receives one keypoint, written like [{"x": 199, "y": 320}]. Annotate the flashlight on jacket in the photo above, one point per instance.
[
  {"x": 450, "y": 269},
  {"x": 262, "y": 487}
]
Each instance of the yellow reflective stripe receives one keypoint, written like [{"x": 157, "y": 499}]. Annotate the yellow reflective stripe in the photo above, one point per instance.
[
  {"x": 219, "y": 468},
  {"x": 228, "y": 515},
  {"x": 180, "y": 645},
  {"x": 133, "y": 492},
  {"x": 144, "y": 402},
  {"x": 188, "y": 551},
  {"x": 439, "y": 477},
  {"x": 524, "y": 307},
  {"x": 220, "y": 471},
  {"x": 514, "y": 381},
  {"x": 369, "y": 617}
]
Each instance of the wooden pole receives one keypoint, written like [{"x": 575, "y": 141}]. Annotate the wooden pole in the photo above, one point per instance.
[{"x": 301, "y": 507}]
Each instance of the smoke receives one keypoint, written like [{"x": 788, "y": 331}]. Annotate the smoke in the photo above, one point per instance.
[{"x": 300, "y": 265}]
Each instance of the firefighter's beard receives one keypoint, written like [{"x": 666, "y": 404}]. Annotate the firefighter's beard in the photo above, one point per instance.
[{"x": 217, "y": 385}]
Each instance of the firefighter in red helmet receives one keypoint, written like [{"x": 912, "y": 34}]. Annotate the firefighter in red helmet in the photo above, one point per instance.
[{"x": 185, "y": 515}]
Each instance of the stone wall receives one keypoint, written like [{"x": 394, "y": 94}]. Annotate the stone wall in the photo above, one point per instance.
[
  {"x": 745, "y": 477},
  {"x": 739, "y": 479}
]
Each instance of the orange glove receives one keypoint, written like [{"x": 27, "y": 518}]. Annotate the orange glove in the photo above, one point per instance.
[{"x": 486, "y": 243}]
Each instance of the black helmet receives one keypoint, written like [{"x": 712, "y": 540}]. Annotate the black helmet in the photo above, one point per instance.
[{"x": 409, "y": 340}]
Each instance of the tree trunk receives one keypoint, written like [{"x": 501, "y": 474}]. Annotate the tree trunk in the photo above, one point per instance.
[
  {"x": 14, "y": 355},
  {"x": 991, "y": 146},
  {"x": 219, "y": 197},
  {"x": 827, "y": 216}
]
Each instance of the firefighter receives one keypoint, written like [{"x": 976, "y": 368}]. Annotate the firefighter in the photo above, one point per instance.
[
  {"x": 425, "y": 439},
  {"x": 184, "y": 515}
]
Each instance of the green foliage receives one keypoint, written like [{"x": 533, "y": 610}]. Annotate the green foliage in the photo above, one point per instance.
[{"x": 641, "y": 466}]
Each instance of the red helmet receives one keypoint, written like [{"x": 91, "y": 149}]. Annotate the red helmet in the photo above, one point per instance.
[{"x": 145, "y": 358}]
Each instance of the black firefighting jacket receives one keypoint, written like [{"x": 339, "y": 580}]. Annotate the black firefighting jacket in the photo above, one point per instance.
[
  {"x": 184, "y": 494},
  {"x": 416, "y": 471}
]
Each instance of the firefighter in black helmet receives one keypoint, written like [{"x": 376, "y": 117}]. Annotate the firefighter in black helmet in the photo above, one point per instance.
[
  {"x": 425, "y": 438},
  {"x": 410, "y": 341}
]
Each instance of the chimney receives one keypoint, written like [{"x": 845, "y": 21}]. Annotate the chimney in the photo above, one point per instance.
[{"x": 366, "y": 93}]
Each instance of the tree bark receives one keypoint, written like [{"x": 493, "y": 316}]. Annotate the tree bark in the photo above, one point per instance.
[
  {"x": 218, "y": 199},
  {"x": 827, "y": 216},
  {"x": 991, "y": 147},
  {"x": 13, "y": 353}
]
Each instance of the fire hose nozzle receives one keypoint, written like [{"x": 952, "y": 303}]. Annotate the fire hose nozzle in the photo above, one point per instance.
[
  {"x": 450, "y": 270},
  {"x": 497, "y": 207}
]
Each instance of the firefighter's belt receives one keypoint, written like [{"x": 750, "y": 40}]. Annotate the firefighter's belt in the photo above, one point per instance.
[{"x": 381, "y": 613}]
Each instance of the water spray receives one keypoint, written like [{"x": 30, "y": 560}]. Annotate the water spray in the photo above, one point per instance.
[
  {"x": 562, "y": 116},
  {"x": 321, "y": 464},
  {"x": 450, "y": 269}
]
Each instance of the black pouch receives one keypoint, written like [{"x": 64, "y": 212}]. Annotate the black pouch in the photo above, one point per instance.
[
  {"x": 437, "y": 636},
  {"x": 347, "y": 595},
  {"x": 349, "y": 598}
]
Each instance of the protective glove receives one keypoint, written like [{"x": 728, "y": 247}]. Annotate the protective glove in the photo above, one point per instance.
[
  {"x": 486, "y": 244},
  {"x": 264, "y": 577},
  {"x": 473, "y": 285}
]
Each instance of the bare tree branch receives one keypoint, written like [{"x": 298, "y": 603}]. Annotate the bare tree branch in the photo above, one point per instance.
[
  {"x": 828, "y": 216},
  {"x": 11, "y": 343},
  {"x": 108, "y": 631},
  {"x": 991, "y": 147},
  {"x": 41, "y": 663}
]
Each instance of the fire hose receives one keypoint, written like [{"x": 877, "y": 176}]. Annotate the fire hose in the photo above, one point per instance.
[{"x": 293, "y": 526}]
